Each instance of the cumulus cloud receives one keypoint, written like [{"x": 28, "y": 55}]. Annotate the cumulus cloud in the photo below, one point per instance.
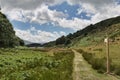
[
  {"x": 39, "y": 15},
  {"x": 106, "y": 12},
  {"x": 44, "y": 15},
  {"x": 27, "y": 4},
  {"x": 74, "y": 24},
  {"x": 98, "y": 9},
  {"x": 16, "y": 14},
  {"x": 37, "y": 11},
  {"x": 96, "y": 4},
  {"x": 38, "y": 36}
]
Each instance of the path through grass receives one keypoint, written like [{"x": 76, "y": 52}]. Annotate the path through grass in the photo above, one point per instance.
[{"x": 83, "y": 71}]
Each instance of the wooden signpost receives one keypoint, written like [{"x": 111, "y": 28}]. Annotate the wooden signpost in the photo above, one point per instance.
[{"x": 107, "y": 52}]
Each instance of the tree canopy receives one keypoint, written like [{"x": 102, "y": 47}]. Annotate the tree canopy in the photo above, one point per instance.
[{"x": 7, "y": 34}]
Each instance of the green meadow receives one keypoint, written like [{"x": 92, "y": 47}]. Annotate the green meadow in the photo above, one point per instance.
[{"x": 35, "y": 64}]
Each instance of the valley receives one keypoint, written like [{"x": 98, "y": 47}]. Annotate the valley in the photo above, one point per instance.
[{"x": 76, "y": 56}]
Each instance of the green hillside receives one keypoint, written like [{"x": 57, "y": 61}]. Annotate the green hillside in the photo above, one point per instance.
[
  {"x": 90, "y": 35},
  {"x": 95, "y": 34},
  {"x": 90, "y": 43},
  {"x": 7, "y": 34}
]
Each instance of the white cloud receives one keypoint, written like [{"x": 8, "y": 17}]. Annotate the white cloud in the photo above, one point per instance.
[
  {"x": 44, "y": 15},
  {"x": 27, "y": 4},
  {"x": 37, "y": 11},
  {"x": 96, "y": 3},
  {"x": 106, "y": 12},
  {"x": 16, "y": 14},
  {"x": 74, "y": 24},
  {"x": 96, "y": 9},
  {"x": 39, "y": 15},
  {"x": 38, "y": 36}
]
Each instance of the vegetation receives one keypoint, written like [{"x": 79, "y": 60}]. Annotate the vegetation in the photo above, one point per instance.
[
  {"x": 97, "y": 63},
  {"x": 28, "y": 64},
  {"x": 7, "y": 34},
  {"x": 52, "y": 64},
  {"x": 90, "y": 35},
  {"x": 34, "y": 45},
  {"x": 96, "y": 56},
  {"x": 91, "y": 40}
]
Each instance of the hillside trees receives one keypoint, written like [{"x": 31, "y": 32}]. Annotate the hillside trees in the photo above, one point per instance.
[
  {"x": 7, "y": 34},
  {"x": 63, "y": 40}
]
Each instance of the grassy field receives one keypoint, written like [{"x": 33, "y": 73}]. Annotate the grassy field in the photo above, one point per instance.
[
  {"x": 96, "y": 56},
  {"x": 55, "y": 63},
  {"x": 34, "y": 64}
]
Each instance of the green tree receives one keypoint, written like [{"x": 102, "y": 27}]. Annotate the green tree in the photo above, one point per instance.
[
  {"x": 7, "y": 34},
  {"x": 68, "y": 41},
  {"x": 60, "y": 40}
]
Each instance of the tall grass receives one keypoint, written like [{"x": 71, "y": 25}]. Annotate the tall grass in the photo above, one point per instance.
[
  {"x": 99, "y": 63},
  {"x": 35, "y": 65}
]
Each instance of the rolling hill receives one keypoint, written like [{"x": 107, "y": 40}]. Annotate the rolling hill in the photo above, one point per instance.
[
  {"x": 90, "y": 43},
  {"x": 7, "y": 34},
  {"x": 91, "y": 35}
]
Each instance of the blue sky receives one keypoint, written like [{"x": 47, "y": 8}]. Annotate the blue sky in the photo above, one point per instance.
[
  {"x": 45, "y": 27},
  {"x": 42, "y": 21},
  {"x": 71, "y": 10}
]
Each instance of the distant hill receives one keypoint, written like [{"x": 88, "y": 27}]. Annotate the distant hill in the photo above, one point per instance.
[
  {"x": 90, "y": 35},
  {"x": 7, "y": 34},
  {"x": 34, "y": 45},
  {"x": 27, "y": 42}
]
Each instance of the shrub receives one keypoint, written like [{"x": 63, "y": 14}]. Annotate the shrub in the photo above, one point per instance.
[
  {"x": 117, "y": 69},
  {"x": 97, "y": 63},
  {"x": 80, "y": 50},
  {"x": 99, "y": 49}
]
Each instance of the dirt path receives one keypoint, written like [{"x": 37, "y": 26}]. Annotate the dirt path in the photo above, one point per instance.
[{"x": 83, "y": 71}]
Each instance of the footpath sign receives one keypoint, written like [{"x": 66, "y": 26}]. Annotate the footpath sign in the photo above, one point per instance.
[{"x": 106, "y": 40}]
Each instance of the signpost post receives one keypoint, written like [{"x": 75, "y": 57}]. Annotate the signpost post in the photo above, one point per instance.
[{"x": 107, "y": 52}]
